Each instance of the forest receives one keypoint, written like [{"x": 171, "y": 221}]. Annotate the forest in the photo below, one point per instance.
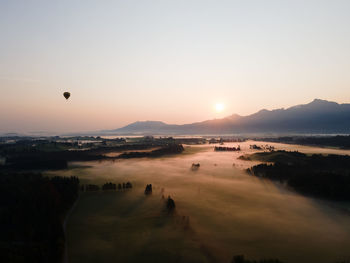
[
  {"x": 339, "y": 141},
  {"x": 323, "y": 176},
  {"x": 54, "y": 154},
  {"x": 32, "y": 211}
]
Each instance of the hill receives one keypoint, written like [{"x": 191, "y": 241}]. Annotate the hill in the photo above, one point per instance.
[{"x": 319, "y": 116}]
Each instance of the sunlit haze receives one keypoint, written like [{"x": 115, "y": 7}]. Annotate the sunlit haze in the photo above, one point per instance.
[
  {"x": 171, "y": 61},
  {"x": 219, "y": 107},
  {"x": 192, "y": 131}
]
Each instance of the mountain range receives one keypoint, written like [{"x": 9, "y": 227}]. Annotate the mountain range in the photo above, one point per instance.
[{"x": 317, "y": 117}]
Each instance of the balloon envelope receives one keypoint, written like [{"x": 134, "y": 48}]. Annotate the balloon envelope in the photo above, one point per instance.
[{"x": 66, "y": 95}]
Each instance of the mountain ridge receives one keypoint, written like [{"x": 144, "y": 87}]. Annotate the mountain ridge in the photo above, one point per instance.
[{"x": 318, "y": 116}]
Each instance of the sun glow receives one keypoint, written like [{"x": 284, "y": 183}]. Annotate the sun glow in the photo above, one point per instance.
[{"x": 219, "y": 107}]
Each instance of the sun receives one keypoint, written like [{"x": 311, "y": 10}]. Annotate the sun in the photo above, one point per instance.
[{"x": 219, "y": 107}]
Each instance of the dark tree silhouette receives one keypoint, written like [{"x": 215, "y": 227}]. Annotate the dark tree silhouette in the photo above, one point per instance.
[
  {"x": 170, "y": 204},
  {"x": 148, "y": 189},
  {"x": 32, "y": 209}
]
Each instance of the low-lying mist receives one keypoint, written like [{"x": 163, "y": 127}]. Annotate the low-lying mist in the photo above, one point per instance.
[{"x": 220, "y": 212}]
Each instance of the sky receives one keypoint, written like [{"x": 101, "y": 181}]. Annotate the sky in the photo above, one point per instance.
[{"x": 171, "y": 61}]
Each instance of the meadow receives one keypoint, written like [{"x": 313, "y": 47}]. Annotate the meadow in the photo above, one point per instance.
[{"x": 221, "y": 211}]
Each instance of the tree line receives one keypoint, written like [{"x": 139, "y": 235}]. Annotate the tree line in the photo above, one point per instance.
[
  {"x": 32, "y": 211},
  {"x": 317, "y": 175}
]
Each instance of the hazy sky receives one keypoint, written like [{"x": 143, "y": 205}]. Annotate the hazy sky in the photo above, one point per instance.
[{"x": 125, "y": 61}]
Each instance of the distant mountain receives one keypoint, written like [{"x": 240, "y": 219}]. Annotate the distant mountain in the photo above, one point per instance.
[{"x": 319, "y": 116}]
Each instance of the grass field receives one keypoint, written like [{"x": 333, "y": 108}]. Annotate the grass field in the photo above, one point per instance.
[{"x": 229, "y": 213}]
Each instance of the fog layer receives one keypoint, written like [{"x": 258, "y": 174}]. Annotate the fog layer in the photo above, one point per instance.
[{"x": 220, "y": 212}]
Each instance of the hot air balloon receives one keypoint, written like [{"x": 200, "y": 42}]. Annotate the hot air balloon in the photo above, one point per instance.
[{"x": 66, "y": 95}]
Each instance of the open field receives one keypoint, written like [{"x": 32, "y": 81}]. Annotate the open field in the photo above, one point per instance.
[{"x": 229, "y": 213}]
